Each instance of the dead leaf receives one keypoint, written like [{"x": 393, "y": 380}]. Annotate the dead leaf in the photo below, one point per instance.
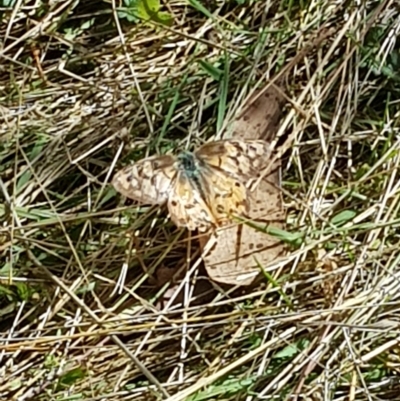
[{"x": 232, "y": 255}]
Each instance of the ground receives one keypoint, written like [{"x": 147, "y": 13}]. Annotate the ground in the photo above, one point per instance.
[{"x": 88, "y": 87}]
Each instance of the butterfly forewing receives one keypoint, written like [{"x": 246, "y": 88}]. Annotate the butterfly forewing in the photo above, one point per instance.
[
  {"x": 148, "y": 181},
  {"x": 231, "y": 166},
  {"x": 241, "y": 159}
]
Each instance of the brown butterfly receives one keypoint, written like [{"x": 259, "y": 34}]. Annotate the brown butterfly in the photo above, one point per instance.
[{"x": 202, "y": 189}]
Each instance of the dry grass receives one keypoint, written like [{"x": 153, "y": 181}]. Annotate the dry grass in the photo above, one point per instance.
[{"x": 83, "y": 313}]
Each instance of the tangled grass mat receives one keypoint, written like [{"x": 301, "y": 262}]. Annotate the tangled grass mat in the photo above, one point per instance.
[{"x": 101, "y": 298}]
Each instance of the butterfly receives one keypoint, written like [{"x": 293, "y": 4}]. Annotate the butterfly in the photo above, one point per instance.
[{"x": 202, "y": 189}]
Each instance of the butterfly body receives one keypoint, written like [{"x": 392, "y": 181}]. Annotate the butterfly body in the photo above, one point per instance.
[
  {"x": 202, "y": 188},
  {"x": 191, "y": 167}
]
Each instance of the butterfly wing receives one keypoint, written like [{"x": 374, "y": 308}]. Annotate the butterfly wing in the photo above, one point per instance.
[
  {"x": 229, "y": 167},
  {"x": 225, "y": 195},
  {"x": 241, "y": 159},
  {"x": 148, "y": 181},
  {"x": 187, "y": 207}
]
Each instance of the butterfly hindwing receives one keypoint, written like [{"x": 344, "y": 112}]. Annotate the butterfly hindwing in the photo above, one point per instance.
[
  {"x": 225, "y": 195},
  {"x": 187, "y": 207}
]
